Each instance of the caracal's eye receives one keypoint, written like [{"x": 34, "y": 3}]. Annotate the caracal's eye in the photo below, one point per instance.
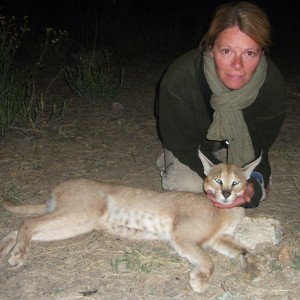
[
  {"x": 235, "y": 182},
  {"x": 218, "y": 180}
]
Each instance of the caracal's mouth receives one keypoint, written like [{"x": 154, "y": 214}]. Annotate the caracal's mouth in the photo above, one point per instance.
[{"x": 219, "y": 198}]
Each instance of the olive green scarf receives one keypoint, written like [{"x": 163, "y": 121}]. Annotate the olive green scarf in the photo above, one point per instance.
[{"x": 228, "y": 121}]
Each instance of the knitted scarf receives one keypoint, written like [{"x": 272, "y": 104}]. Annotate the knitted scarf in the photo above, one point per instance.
[{"x": 228, "y": 121}]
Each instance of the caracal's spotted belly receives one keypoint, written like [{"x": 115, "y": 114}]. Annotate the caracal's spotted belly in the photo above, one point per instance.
[{"x": 136, "y": 223}]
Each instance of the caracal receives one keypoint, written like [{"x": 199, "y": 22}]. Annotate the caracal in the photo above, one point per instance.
[{"x": 189, "y": 222}]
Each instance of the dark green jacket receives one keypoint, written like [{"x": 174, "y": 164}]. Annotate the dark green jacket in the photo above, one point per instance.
[{"x": 184, "y": 114}]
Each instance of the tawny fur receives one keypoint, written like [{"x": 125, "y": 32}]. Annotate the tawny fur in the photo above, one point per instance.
[{"x": 188, "y": 221}]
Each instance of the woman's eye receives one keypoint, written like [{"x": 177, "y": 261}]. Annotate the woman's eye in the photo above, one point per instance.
[
  {"x": 235, "y": 182},
  {"x": 219, "y": 181},
  {"x": 251, "y": 53},
  {"x": 226, "y": 51}
]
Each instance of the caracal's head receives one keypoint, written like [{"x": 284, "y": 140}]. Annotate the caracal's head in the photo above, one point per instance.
[{"x": 226, "y": 181}]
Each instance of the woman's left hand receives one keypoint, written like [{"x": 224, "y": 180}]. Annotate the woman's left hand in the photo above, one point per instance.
[{"x": 246, "y": 198}]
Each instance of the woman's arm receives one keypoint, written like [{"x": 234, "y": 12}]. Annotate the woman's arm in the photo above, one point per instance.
[{"x": 183, "y": 118}]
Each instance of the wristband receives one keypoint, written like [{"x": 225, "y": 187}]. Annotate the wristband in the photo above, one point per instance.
[{"x": 258, "y": 177}]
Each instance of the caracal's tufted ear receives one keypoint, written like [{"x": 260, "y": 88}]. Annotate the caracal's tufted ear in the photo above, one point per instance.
[
  {"x": 207, "y": 164},
  {"x": 248, "y": 169}
]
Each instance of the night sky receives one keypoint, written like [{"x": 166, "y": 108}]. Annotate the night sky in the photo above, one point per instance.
[
  {"x": 56, "y": 12},
  {"x": 76, "y": 15}
]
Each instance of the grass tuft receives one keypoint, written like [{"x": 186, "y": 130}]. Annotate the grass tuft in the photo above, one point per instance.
[
  {"x": 140, "y": 261},
  {"x": 18, "y": 101},
  {"x": 296, "y": 262},
  {"x": 94, "y": 77}
]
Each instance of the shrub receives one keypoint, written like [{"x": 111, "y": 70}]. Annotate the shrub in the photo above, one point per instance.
[
  {"x": 94, "y": 77},
  {"x": 13, "y": 83},
  {"x": 18, "y": 98}
]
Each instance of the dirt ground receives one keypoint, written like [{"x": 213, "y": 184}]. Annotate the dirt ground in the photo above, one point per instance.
[{"x": 97, "y": 142}]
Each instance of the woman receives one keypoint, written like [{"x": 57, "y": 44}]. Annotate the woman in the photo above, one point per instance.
[{"x": 226, "y": 98}]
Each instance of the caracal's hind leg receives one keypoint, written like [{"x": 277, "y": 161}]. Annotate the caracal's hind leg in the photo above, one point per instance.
[
  {"x": 203, "y": 265},
  {"x": 227, "y": 246},
  {"x": 48, "y": 227},
  {"x": 7, "y": 243}
]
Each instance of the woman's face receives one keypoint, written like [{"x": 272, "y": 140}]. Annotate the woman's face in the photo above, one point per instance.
[{"x": 236, "y": 57}]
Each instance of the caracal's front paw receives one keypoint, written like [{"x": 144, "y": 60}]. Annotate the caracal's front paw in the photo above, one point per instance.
[{"x": 199, "y": 280}]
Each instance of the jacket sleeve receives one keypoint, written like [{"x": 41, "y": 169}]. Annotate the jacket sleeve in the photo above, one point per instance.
[
  {"x": 264, "y": 119},
  {"x": 182, "y": 116}
]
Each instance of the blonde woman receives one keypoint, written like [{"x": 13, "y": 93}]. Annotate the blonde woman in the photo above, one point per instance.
[{"x": 226, "y": 97}]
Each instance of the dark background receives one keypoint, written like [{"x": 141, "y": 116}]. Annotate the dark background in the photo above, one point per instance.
[{"x": 185, "y": 20}]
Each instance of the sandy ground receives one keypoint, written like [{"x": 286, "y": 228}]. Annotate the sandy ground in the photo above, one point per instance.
[{"x": 97, "y": 142}]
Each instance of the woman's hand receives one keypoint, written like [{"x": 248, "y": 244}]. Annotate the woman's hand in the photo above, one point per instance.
[{"x": 246, "y": 198}]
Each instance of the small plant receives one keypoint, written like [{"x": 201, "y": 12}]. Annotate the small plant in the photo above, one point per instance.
[
  {"x": 13, "y": 85},
  {"x": 38, "y": 113},
  {"x": 296, "y": 262},
  {"x": 139, "y": 261},
  {"x": 34, "y": 108},
  {"x": 134, "y": 260},
  {"x": 16, "y": 92},
  {"x": 275, "y": 266},
  {"x": 94, "y": 77}
]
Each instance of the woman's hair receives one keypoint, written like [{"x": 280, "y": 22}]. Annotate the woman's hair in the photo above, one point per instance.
[{"x": 249, "y": 18}]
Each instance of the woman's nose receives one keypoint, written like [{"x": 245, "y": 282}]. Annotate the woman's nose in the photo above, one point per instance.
[{"x": 237, "y": 62}]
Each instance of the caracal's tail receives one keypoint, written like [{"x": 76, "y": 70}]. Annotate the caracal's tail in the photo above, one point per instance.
[{"x": 35, "y": 209}]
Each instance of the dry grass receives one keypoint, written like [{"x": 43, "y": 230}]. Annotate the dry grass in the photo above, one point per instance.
[{"x": 99, "y": 143}]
